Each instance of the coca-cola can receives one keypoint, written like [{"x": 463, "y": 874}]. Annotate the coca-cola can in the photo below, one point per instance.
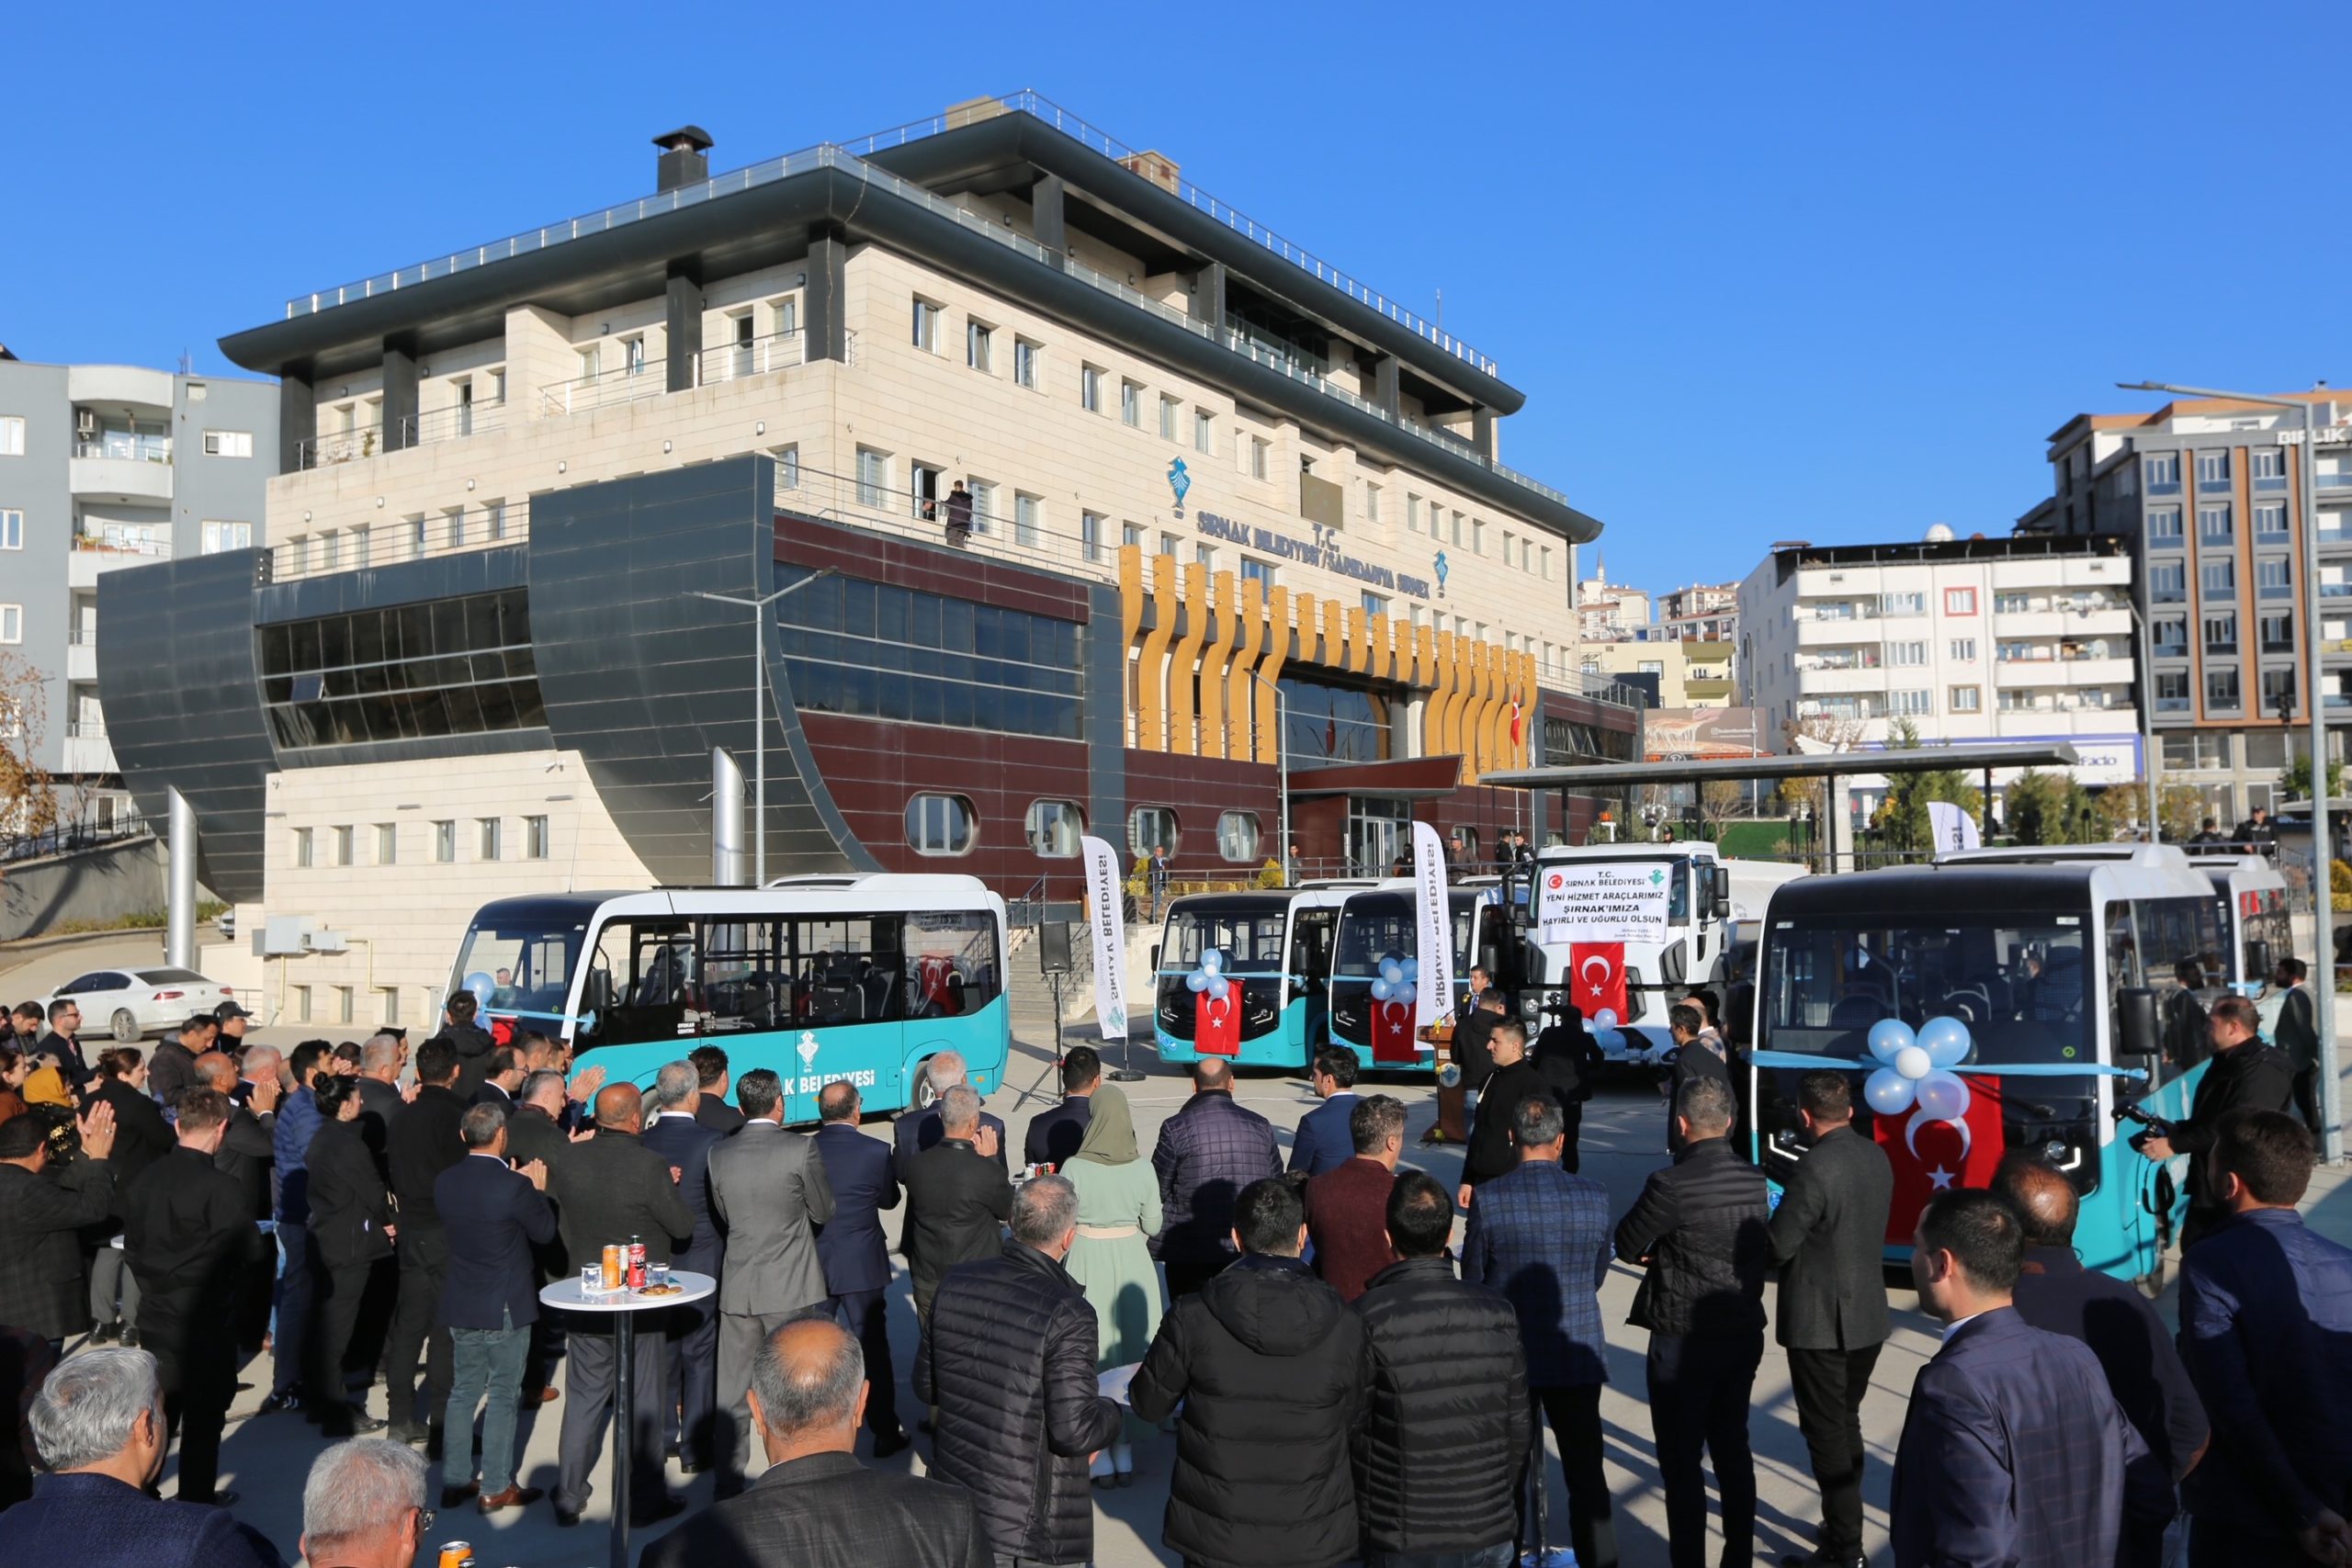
[{"x": 637, "y": 1266}]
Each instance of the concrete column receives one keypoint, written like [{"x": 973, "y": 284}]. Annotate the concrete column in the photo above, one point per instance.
[
  {"x": 824, "y": 318},
  {"x": 1482, "y": 431},
  {"x": 179, "y": 882},
  {"x": 1385, "y": 391},
  {"x": 726, "y": 822},
  {"x": 1045, "y": 218},
  {"x": 399, "y": 394},
  {"x": 1208, "y": 295},
  {"x": 298, "y": 418},
  {"x": 683, "y": 325}
]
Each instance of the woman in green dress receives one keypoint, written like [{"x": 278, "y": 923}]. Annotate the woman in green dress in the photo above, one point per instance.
[{"x": 1118, "y": 1214}]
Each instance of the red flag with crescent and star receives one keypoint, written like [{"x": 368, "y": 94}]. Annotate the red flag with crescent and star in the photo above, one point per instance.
[
  {"x": 1599, "y": 971},
  {"x": 1392, "y": 1034},
  {"x": 1216, "y": 1022},
  {"x": 1931, "y": 1155}
]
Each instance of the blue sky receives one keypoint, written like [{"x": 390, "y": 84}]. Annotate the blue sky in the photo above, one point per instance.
[{"x": 1826, "y": 272}]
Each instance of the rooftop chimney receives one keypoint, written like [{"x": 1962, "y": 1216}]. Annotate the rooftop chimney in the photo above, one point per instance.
[{"x": 682, "y": 161}]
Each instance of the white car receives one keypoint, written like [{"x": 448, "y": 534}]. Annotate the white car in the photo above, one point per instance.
[{"x": 131, "y": 1004}]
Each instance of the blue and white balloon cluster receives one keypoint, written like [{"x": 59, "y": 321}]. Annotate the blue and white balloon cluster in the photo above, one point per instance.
[
  {"x": 1209, "y": 978},
  {"x": 483, "y": 986},
  {"x": 1917, "y": 1068},
  {"x": 1399, "y": 980}
]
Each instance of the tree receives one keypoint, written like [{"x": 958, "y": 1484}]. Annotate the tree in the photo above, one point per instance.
[
  {"x": 1903, "y": 816},
  {"x": 2296, "y": 781},
  {"x": 28, "y": 794},
  {"x": 2181, "y": 809},
  {"x": 1720, "y": 800},
  {"x": 2032, "y": 809}
]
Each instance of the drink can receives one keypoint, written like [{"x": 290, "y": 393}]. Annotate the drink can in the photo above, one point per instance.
[
  {"x": 613, "y": 1265},
  {"x": 456, "y": 1554},
  {"x": 637, "y": 1266}
]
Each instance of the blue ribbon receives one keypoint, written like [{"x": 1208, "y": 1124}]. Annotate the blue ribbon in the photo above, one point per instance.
[{"x": 2014, "y": 1070}]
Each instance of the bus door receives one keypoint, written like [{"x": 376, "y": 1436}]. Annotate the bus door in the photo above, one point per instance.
[
  {"x": 951, "y": 991},
  {"x": 641, "y": 978},
  {"x": 1312, "y": 928}
]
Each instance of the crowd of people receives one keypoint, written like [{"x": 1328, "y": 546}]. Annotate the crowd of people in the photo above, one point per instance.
[{"x": 1344, "y": 1380}]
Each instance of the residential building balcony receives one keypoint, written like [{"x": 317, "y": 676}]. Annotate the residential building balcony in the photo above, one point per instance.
[
  {"x": 450, "y": 423},
  {"x": 100, "y": 475},
  {"x": 97, "y": 550},
  {"x": 81, "y": 657},
  {"x": 86, "y": 750}
]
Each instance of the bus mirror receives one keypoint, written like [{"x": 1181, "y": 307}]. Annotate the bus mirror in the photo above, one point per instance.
[
  {"x": 1155, "y": 958},
  {"x": 596, "y": 992},
  {"x": 1719, "y": 879},
  {"x": 2257, "y": 959},
  {"x": 2135, "y": 1022}
]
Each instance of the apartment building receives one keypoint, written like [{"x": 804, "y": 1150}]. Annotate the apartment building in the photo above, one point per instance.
[
  {"x": 2012, "y": 638},
  {"x": 1703, "y": 612},
  {"x": 104, "y": 467},
  {"x": 1685, "y": 674},
  {"x": 1606, "y": 610},
  {"x": 2208, "y": 493},
  {"x": 1071, "y": 470}
]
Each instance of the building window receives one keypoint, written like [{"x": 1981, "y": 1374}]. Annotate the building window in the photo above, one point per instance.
[
  {"x": 343, "y": 1004},
  {"x": 303, "y": 847},
  {"x": 1547, "y": 563},
  {"x": 978, "y": 339},
  {"x": 926, "y": 325},
  {"x": 939, "y": 824},
  {"x": 1024, "y": 363},
  {"x": 2167, "y": 582},
  {"x": 1477, "y": 535},
  {"x": 2269, "y": 464},
  {"x": 388, "y": 844},
  {"x": 1131, "y": 404},
  {"x": 2161, "y": 472},
  {"x": 873, "y": 477},
  {"x": 1131, "y": 535},
  {"x": 228, "y": 443},
  {"x": 2163, "y": 525},
  {"x": 1237, "y": 837},
  {"x": 1904, "y": 654},
  {"x": 1052, "y": 828},
  {"x": 1204, "y": 557},
  {"x": 1168, "y": 416},
  {"x": 1168, "y": 545},
  {"x": 1260, "y": 572},
  {"x": 2273, "y": 579},
  {"x": 12, "y": 435},
  {"x": 1960, "y": 601},
  {"x": 2170, "y": 636},
  {"x": 1150, "y": 827},
  {"x": 2271, "y": 521},
  {"x": 1090, "y": 534},
  {"x": 12, "y": 528},
  {"x": 633, "y": 354},
  {"x": 2212, "y": 470},
  {"x": 461, "y": 666},
  {"x": 1963, "y": 650},
  {"x": 488, "y": 837},
  {"x": 1257, "y": 458},
  {"x": 1413, "y": 514},
  {"x": 1089, "y": 390},
  {"x": 1965, "y": 699},
  {"x": 2218, "y": 578},
  {"x": 444, "y": 843},
  {"x": 2278, "y": 691},
  {"x": 302, "y": 1003},
  {"x": 1910, "y": 703},
  {"x": 1203, "y": 430},
  {"x": 2222, "y": 689},
  {"x": 2277, "y": 634},
  {"x": 1903, "y": 605},
  {"x": 2172, "y": 692},
  {"x": 1376, "y": 604},
  {"x": 2222, "y": 633},
  {"x": 1027, "y": 513},
  {"x": 535, "y": 837},
  {"x": 344, "y": 846},
  {"x": 2213, "y": 528}
]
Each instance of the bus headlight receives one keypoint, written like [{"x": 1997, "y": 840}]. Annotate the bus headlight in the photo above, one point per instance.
[{"x": 2054, "y": 1151}]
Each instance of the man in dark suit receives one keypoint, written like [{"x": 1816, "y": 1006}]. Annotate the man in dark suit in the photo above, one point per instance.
[
  {"x": 2265, "y": 1329},
  {"x": 1054, "y": 1135},
  {"x": 188, "y": 1235},
  {"x": 854, "y": 1253},
  {"x": 63, "y": 1041},
  {"x": 958, "y": 1198},
  {"x": 380, "y": 1060},
  {"x": 2242, "y": 1074},
  {"x": 424, "y": 1142},
  {"x": 608, "y": 1188},
  {"x": 246, "y": 1155},
  {"x": 1347, "y": 1206},
  {"x": 1540, "y": 1236},
  {"x": 534, "y": 1132},
  {"x": 2013, "y": 1450},
  {"x": 689, "y": 1334},
  {"x": 1830, "y": 1239},
  {"x": 99, "y": 1423},
  {"x": 768, "y": 1190},
  {"x": 917, "y": 1130},
  {"x": 491, "y": 1217},
  {"x": 1699, "y": 1227},
  {"x": 1207, "y": 1152},
  {"x": 2298, "y": 1034},
  {"x": 712, "y": 1110},
  {"x": 816, "y": 1503},
  {"x": 505, "y": 1077},
  {"x": 40, "y": 1253},
  {"x": 470, "y": 1043},
  {"x": 1475, "y": 992},
  {"x": 1323, "y": 1141}
]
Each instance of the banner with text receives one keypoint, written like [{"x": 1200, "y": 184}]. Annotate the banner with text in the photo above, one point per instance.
[
  {"x": 1623, "y": 902},
  {"x": 1105, "y": 900},
  {"x": 1952, "y": 829},
  {"x": 1432, "y": 929}
]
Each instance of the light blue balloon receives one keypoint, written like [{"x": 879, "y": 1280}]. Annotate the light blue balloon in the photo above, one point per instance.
[
  {"x": 1890, "y": 1037},
  {"x": 483, "y": 987},
  {"x": 1888, "y": 1091},
  {"x": 1212, "y": 961},
  {"x": 1409, "y": 971},
  {"x": 1198, "y": 980},
  {"x": 1946, "y": 1041},
  {"x": 1381, "y": 991},
  {"x": 1219, "y": 989}
]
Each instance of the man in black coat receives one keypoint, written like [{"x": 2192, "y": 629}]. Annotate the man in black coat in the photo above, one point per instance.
[
  {"x": 958, "y": 1198},
  {"x": 816, "y": 1504},
  {"x": 171, "y": 1069},
  {"x": 380, "y": 1100},
  {"x": 1830, "y": 1239},
  {"x": 1444, "y": 1433},
  {"x": 40, "y": 1249},
  {"x": 916, "y": 1131},
  {"x": 1054, "y": 1135},
  {"x": 536, "y": 1133},
  {"x": 247, "y": 1153},
  {"x": 188, "y": 1235},
  {"x": 1206, "y": 1153},
  {"x": 1698, "y": 1053},
  {"x": 2242, "y": 1074},
  {"x": 505, "y": 1077},
  {"x": 712, "y": 1110},
  {"x": 1274, "y": 1373},
  {"x": 63, "y": 1041},
  {"x": 854, "y": 1253},
  {"x": 1491, "y": 1152},
  {"x": 491, "y": 1218},
  {"x": 1700, "y": 1225},
  {"x": 1571, "y": 1061},
  {"x": 2298, "y": 1035},
  {"x": 1007, "y": 1363},
  {"x": 689, "y": 1334},
  {"x": 2120, "y": 1325},
  {"x": 468, "y": 1040},
  {"x": 608, "y": 1189},
  {"x": 424, "y": 1142}
]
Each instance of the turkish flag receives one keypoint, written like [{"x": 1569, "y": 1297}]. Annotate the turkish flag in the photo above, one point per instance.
[
  {"x": 1392, "y": 1034},
  {"x": 1929, "y": 1157},
  {"x": 938, "y": 972},
  {"x": 1596, "y": 977},
  {"x": 1216, "y": 1025}
]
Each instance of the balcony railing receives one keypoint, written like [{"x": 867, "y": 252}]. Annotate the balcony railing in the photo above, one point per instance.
[
  {"x": 382, "y": 543},
  {"x": 85, "y": 729},
  {"x": 341, "y": 446},
  {"x": 2334, "y": 481},
  {"x": 650, "y": 378},
  {"x": 450, "y": 423},
  {"x": 116, "y": 541},
  {"x": 127, "y": 448},
  {"x": 759, "y": 356}
]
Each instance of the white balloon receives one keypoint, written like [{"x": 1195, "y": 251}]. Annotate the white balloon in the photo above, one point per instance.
[
  {"x": 1943, "y": 1097},
  {"x": 1914, "y": 1063},
  {"x": 1888, "y": 1092}
]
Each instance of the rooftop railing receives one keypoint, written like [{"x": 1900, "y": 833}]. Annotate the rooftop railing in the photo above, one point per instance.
[{"x": 400, "y": 539}]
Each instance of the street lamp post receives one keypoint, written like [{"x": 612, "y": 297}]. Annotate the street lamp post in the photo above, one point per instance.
[
  {"x": 760, "y": 713},
  {"x": 1281, "y": 762},
  {"x": 2322, "y": 900}
]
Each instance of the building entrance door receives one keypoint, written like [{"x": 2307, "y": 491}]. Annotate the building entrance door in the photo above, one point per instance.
[{"x": 1379, "y": 828}]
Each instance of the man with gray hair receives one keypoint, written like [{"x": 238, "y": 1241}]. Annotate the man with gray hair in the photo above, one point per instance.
[
  {"x": 493, "y": 1217},
  {"x": 957, "y": 1197},
  {"x": 381, "y": 1060},
  {"x": 1007, "y": 1363},
  {"x": 691, "y": 1414},
  {"x": 98, "y": 1425},
  {"x": 817, "y": 1504},
  {"x": 364, "y": 1505},
  {"x": 916, "y": 1132}
]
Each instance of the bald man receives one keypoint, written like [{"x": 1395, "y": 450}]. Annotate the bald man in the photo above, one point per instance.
[
  {"x": 609, "y": 1189},
  {"x": 2120, "y": 1325}
]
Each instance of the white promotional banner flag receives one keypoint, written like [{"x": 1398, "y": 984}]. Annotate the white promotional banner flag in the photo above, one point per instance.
[
  {"x": 1105, "y": 898},
  {"x": 1432, "y": 929},
  {"x": 1952, "y": 827}
]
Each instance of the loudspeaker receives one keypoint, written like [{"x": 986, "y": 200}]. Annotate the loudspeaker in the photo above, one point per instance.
[{"x": 1053, "y": 947}]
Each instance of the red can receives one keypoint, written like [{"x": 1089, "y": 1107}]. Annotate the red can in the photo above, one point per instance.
[{"x": 636, "y": 1264}]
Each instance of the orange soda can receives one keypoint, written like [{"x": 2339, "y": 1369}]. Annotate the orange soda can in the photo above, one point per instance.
[
  {"x": 456, "y": 1554},
  {"x": 613, "y": 1261}
]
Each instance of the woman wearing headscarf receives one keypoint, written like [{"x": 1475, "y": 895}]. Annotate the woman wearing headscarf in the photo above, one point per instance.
[{"x": 1118, "y": 1212}]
